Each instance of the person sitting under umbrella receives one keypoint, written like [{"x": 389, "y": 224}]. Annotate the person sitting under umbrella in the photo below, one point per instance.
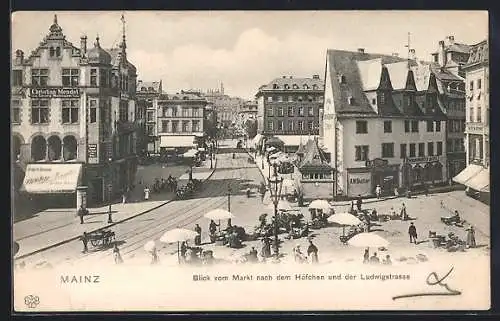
[{"x": 213, "y": 229}]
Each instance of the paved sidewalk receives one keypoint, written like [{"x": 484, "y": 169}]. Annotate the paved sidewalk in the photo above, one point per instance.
[{"x": 54, "y": 227}]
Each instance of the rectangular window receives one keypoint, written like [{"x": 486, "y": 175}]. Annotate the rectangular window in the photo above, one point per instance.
[
  {"x": 402, "y": 150},
  {"x": 103, "y": 79},
  {"x": 412, "y": 150},
  {"x": 290, "y": 125},
  {"x": 196, "y": 125},
  {"x": 149, "y": 116},
  {"x": 290, "y": 98},
  {"x": 164, "y": 126},
  {"x": 39, "y": 77},
  {"x": 280, "y": 99},
  {"x": 387, "y": 150},
  {"x": 301, "y": 111},
  {"x": 361, "y": 153},
  {"x": 310, "y": 125},
  {"x": 70, "y": 77},
  {"x": 439, "y": 148},
  {"x": 479, "y": 84},
  {"x": 270, "y": 125},
  {"x": 175, "y": 110},
  {"x": 421, "y": 149},
  {"x": 478, "y": 116},
  {"x": 290, "y": 111},
  {"x": 301, "y": 125},
  {"x": 280, "y": 125},
  {"x": 430, "y": 126},
  {"x": 175, "y": 126},
  {"x": 471, "y": 86},
  {"x": 407, "y": 126},
  {"x": 387, "y": 126},
  {"x": 185, "y": 112},
  {"x": 196, "y": 112},
  {"x": 438, "y": 126},
  {"x": 430, "y": 148},
  {"x": 17, "y": 78},
  {"x": 361, "y": 127},
  {"x": 70, "y": 110},
  {"x": 381, "y": 99},
  {"x": 449, "y": 145},
  {"x": 16, "y": 111},
  {"x": 414, "y": 126},
  {"x": 270, "y": 111},
  {"x": 93, "y": 111},
  {"x": 270, "y": 98},
  {"x": 123, "y": 111},
  {"x": 93, "y": 77},
  {"x": 311, "y": 111},
  {"x": 280, "y": 111},
  {"x": 150, "y": 129},
  {"x": 471, "y": 114},
  {"x": 185, "y": 126}
]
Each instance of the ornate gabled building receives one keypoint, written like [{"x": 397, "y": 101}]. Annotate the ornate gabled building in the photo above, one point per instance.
[
  {"x": 74, "y": 117},
  {"x": 316, "y": 174},
  {"x": 452, "y": 55},
  {"x": 148, "y": 94},
  {"x": 378, "y": 127}
]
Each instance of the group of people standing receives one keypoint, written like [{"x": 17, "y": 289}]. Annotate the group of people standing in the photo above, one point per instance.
[{"x": 312, "y": 254}]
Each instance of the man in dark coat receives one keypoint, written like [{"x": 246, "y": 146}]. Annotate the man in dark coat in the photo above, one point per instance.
[
  {"x": 82, "y": 212},
  {"x": 312, "y": 251},
  {"x": 359, "y": 202},
  {"x": 412, "y": 231},
  {"x": 85, "y": 241},
  {"x": 197, "y": 229}
]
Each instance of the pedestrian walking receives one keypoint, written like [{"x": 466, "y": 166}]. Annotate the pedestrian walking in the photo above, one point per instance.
[
  {"x": 117, "y": 255},
  {"x": 374, "y": 259},
  {"x": 82, "y": 212},
  {"x": 262, "y": 191},
  {"x": 184, "y": 249},
  {"x": 312, "y": 252},
  {"x": 412, "y": 231},
  {"x": 366, "y": 256},
  {"x": 359, "y": 202},
  {"x": 197, "y": 239},
  {"x": 85, "y": 240},
  {"x": 404, "y": 215},
  {"x": 396, "y": 192},
  {"x": 146, "y": 193},
  {"x": 124, "y": 198},
  {"x": 266, "y": 248},
  {"x": 378, "y": 191},
  {"x": 471, "y": 237},
  {"x": 154, "y": 257},
  {"x": 387, "y": 260}
]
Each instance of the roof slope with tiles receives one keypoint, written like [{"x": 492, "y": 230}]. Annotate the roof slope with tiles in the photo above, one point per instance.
[
  {"x": 314, "y": 158},
  {"x": 478, "y": 53}
]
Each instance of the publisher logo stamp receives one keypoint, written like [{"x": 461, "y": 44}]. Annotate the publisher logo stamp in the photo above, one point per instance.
[{"x": 31, "y": 301}]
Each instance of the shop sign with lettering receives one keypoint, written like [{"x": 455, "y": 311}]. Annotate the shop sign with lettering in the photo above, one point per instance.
[
  {"x": 92, "y": 153},
  {"x": 425, "y": 159},
  {"x": 55, "y": 92},
  {"x": 359, "y": 184}
]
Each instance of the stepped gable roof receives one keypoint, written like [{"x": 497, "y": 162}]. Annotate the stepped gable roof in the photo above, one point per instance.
[
  {"x": 314, "y": 157},
  {"x": 279, "y": 84},
  {"x": 479, "y": 53},
  {"x": 97, "y": 55},
  {"x": 356, "y": 76}
]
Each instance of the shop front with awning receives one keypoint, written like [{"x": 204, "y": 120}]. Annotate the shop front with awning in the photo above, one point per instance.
[
  {"x": 480, "y": 181},
  {"x": 470, "y": 171},
  {"x": 51, "y": 178},
  {"x": 177, "y": 142}
]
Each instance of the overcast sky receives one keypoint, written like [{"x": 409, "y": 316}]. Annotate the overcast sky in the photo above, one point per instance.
[{"x": 247, "y": 49}]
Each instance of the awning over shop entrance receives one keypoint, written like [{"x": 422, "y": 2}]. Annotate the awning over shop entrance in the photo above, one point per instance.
[
  {"x": 480, "y": 181},
  {"x": 51, "y": 178},
  {"x": 467, "y": 173},
  {"x": 176, "y": 141}
]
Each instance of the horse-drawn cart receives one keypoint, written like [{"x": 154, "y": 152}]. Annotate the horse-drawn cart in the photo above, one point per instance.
[{"x": 101, "y": 238}]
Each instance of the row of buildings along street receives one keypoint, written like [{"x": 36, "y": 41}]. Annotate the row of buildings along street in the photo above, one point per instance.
[{"x": 94, "y": 137}]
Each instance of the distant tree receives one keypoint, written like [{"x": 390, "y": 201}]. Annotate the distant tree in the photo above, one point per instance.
[{"x": 251, "y": 128}]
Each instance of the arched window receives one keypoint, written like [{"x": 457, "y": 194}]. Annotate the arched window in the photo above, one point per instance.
[
  {"x": 52, "y": 51},
  {"x": 16, "y": 147},
  {"x": 70, "y": 148},
  {"x": 54, "y": 145},
  {"x": 38, "y": 148},
  {"x": 58, "y": 51}
]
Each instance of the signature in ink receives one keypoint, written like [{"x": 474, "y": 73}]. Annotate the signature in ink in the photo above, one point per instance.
[{"x": 433, "y": 279}]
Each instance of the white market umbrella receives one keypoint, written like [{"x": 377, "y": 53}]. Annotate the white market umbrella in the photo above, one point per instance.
[
  {"x": 344, "y": 219},
  {"x": 271, "y": 148},
  {"x": 150, "y": 246},
  {"x": 178, "y": 235},
  {"x": 219, "y": 214},
  {"x": 320, "y": 204},
  {"x": 190, "y": 153},
  {"x": 368, "y": 240}
]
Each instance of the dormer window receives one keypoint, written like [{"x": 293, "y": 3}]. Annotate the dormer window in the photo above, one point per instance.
[
  {"x": 287, "y": 86},
  {"x": 350, "y": 99},
  {"x": 52, "y": 51},
  {"x": 143, "y": 88},
  {"x": 341, "y": 79},
  {"x": 295, "y": 86},
  {"x": 150, "y": 89},
  {"x": 275, "y": 86},
  {"x": 315, "y": 87},
  {"x": 306, "y": 87}
]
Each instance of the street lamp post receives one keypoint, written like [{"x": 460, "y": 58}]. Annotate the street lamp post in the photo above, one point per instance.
[
  {"x": 110, "y": 189},
  {"x": 229, "y": 198},
  {"x": 275, "y": 186}
]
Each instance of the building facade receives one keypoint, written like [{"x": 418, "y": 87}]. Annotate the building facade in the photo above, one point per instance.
[
  {"x": 181, "y": 118},
  {"x": 452, "y": 55},
  {"x": 289, "y": 108},
  {"x": 380, "y": 126},
  {"x": 148, "y": 94},
  {"x": 74, "y": 117}
]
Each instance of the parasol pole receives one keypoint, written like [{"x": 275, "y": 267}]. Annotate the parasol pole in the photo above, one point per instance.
[
  {"x": 178, "y": 253},
  {"x": 343, "y": 230},
  {"x": 219, "y": 225}
]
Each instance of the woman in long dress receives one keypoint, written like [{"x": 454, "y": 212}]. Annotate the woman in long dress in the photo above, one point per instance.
[
  {"x": 471, "y": 237},
  {"x": 117, "y": 255}
]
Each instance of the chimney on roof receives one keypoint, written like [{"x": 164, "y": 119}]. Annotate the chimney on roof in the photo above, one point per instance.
[
  {"x": 83, "y": 44},
  {"x": 361, "y": 50},
  {"x": 395, "y": 54},
  {"x": 315, "y": 76},
  {"x": 19, "y": 56},
  {"x": 441, "y": 54},
  {"x": 451, "y": 39}
]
